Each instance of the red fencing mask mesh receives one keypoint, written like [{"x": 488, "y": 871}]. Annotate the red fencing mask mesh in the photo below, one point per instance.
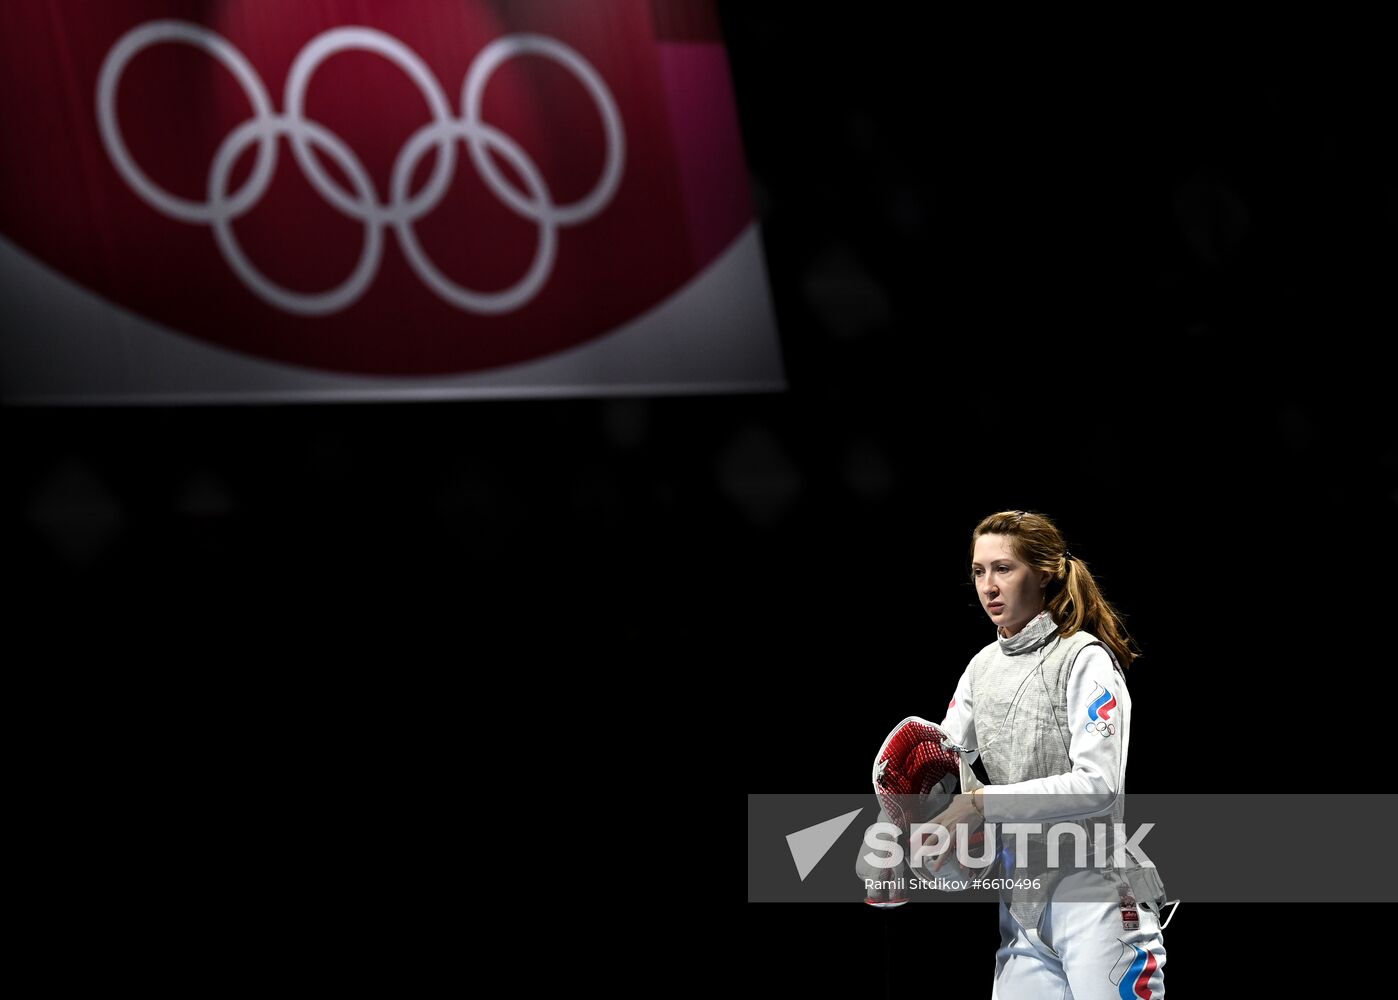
[
  {"x": 915, "y": 780},
  {"x": 911, "y": 762}
]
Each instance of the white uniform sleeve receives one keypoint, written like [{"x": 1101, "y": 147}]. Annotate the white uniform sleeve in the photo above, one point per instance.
[
  {"x": 1099, "y": 711},
  {"x": 959, "y": 721}
]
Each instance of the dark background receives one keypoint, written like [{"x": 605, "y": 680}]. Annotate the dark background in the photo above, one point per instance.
[{"x": 1142, "y": 288}]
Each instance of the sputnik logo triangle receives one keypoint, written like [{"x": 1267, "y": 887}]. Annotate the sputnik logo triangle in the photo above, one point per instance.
[{"x": 808, "y": 846}]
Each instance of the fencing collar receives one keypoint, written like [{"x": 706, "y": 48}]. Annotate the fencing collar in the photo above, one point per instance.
[{"x": 1036, "y": 632}]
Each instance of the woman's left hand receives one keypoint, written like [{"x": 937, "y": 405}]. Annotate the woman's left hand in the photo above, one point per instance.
[{"x": 961, "y": 810}]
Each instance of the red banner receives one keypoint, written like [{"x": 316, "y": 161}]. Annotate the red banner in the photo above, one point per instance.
[{"x": 242, "y": 200}]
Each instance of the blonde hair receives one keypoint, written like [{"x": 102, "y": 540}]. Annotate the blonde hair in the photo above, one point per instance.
[{"x": 1071, "y": 597}]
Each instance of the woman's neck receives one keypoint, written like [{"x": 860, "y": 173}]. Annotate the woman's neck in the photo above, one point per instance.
[{"x": 1020, "y": 628}]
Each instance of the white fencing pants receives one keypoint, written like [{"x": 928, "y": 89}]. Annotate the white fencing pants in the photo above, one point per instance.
[{"x": 1082, "y": 950}]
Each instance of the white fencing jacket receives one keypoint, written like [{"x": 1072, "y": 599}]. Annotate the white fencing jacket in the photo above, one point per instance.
[{"x": 1049, "y": 717}]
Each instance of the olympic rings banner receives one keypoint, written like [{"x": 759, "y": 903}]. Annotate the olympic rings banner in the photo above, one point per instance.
[{"x": 255, "y": 201}]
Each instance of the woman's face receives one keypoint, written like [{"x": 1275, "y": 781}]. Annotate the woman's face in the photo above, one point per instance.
[{"x": 1010, "y": 591}]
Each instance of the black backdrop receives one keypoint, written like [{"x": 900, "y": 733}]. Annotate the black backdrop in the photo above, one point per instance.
[
  {"x": 1146, "y": 294},
  {"x": 1140, "y": 285}
]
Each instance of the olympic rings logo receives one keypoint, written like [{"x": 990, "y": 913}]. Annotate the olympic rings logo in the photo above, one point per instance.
[{"x": 401, "y": 211}]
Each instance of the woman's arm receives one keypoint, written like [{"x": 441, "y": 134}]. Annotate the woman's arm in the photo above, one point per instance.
[
  {"x": 959, "y": 721},
  {"x": 1098, "y": 715}
]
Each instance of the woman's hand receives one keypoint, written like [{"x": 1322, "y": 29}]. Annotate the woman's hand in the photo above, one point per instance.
[{"x": 961, "y": 810}]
